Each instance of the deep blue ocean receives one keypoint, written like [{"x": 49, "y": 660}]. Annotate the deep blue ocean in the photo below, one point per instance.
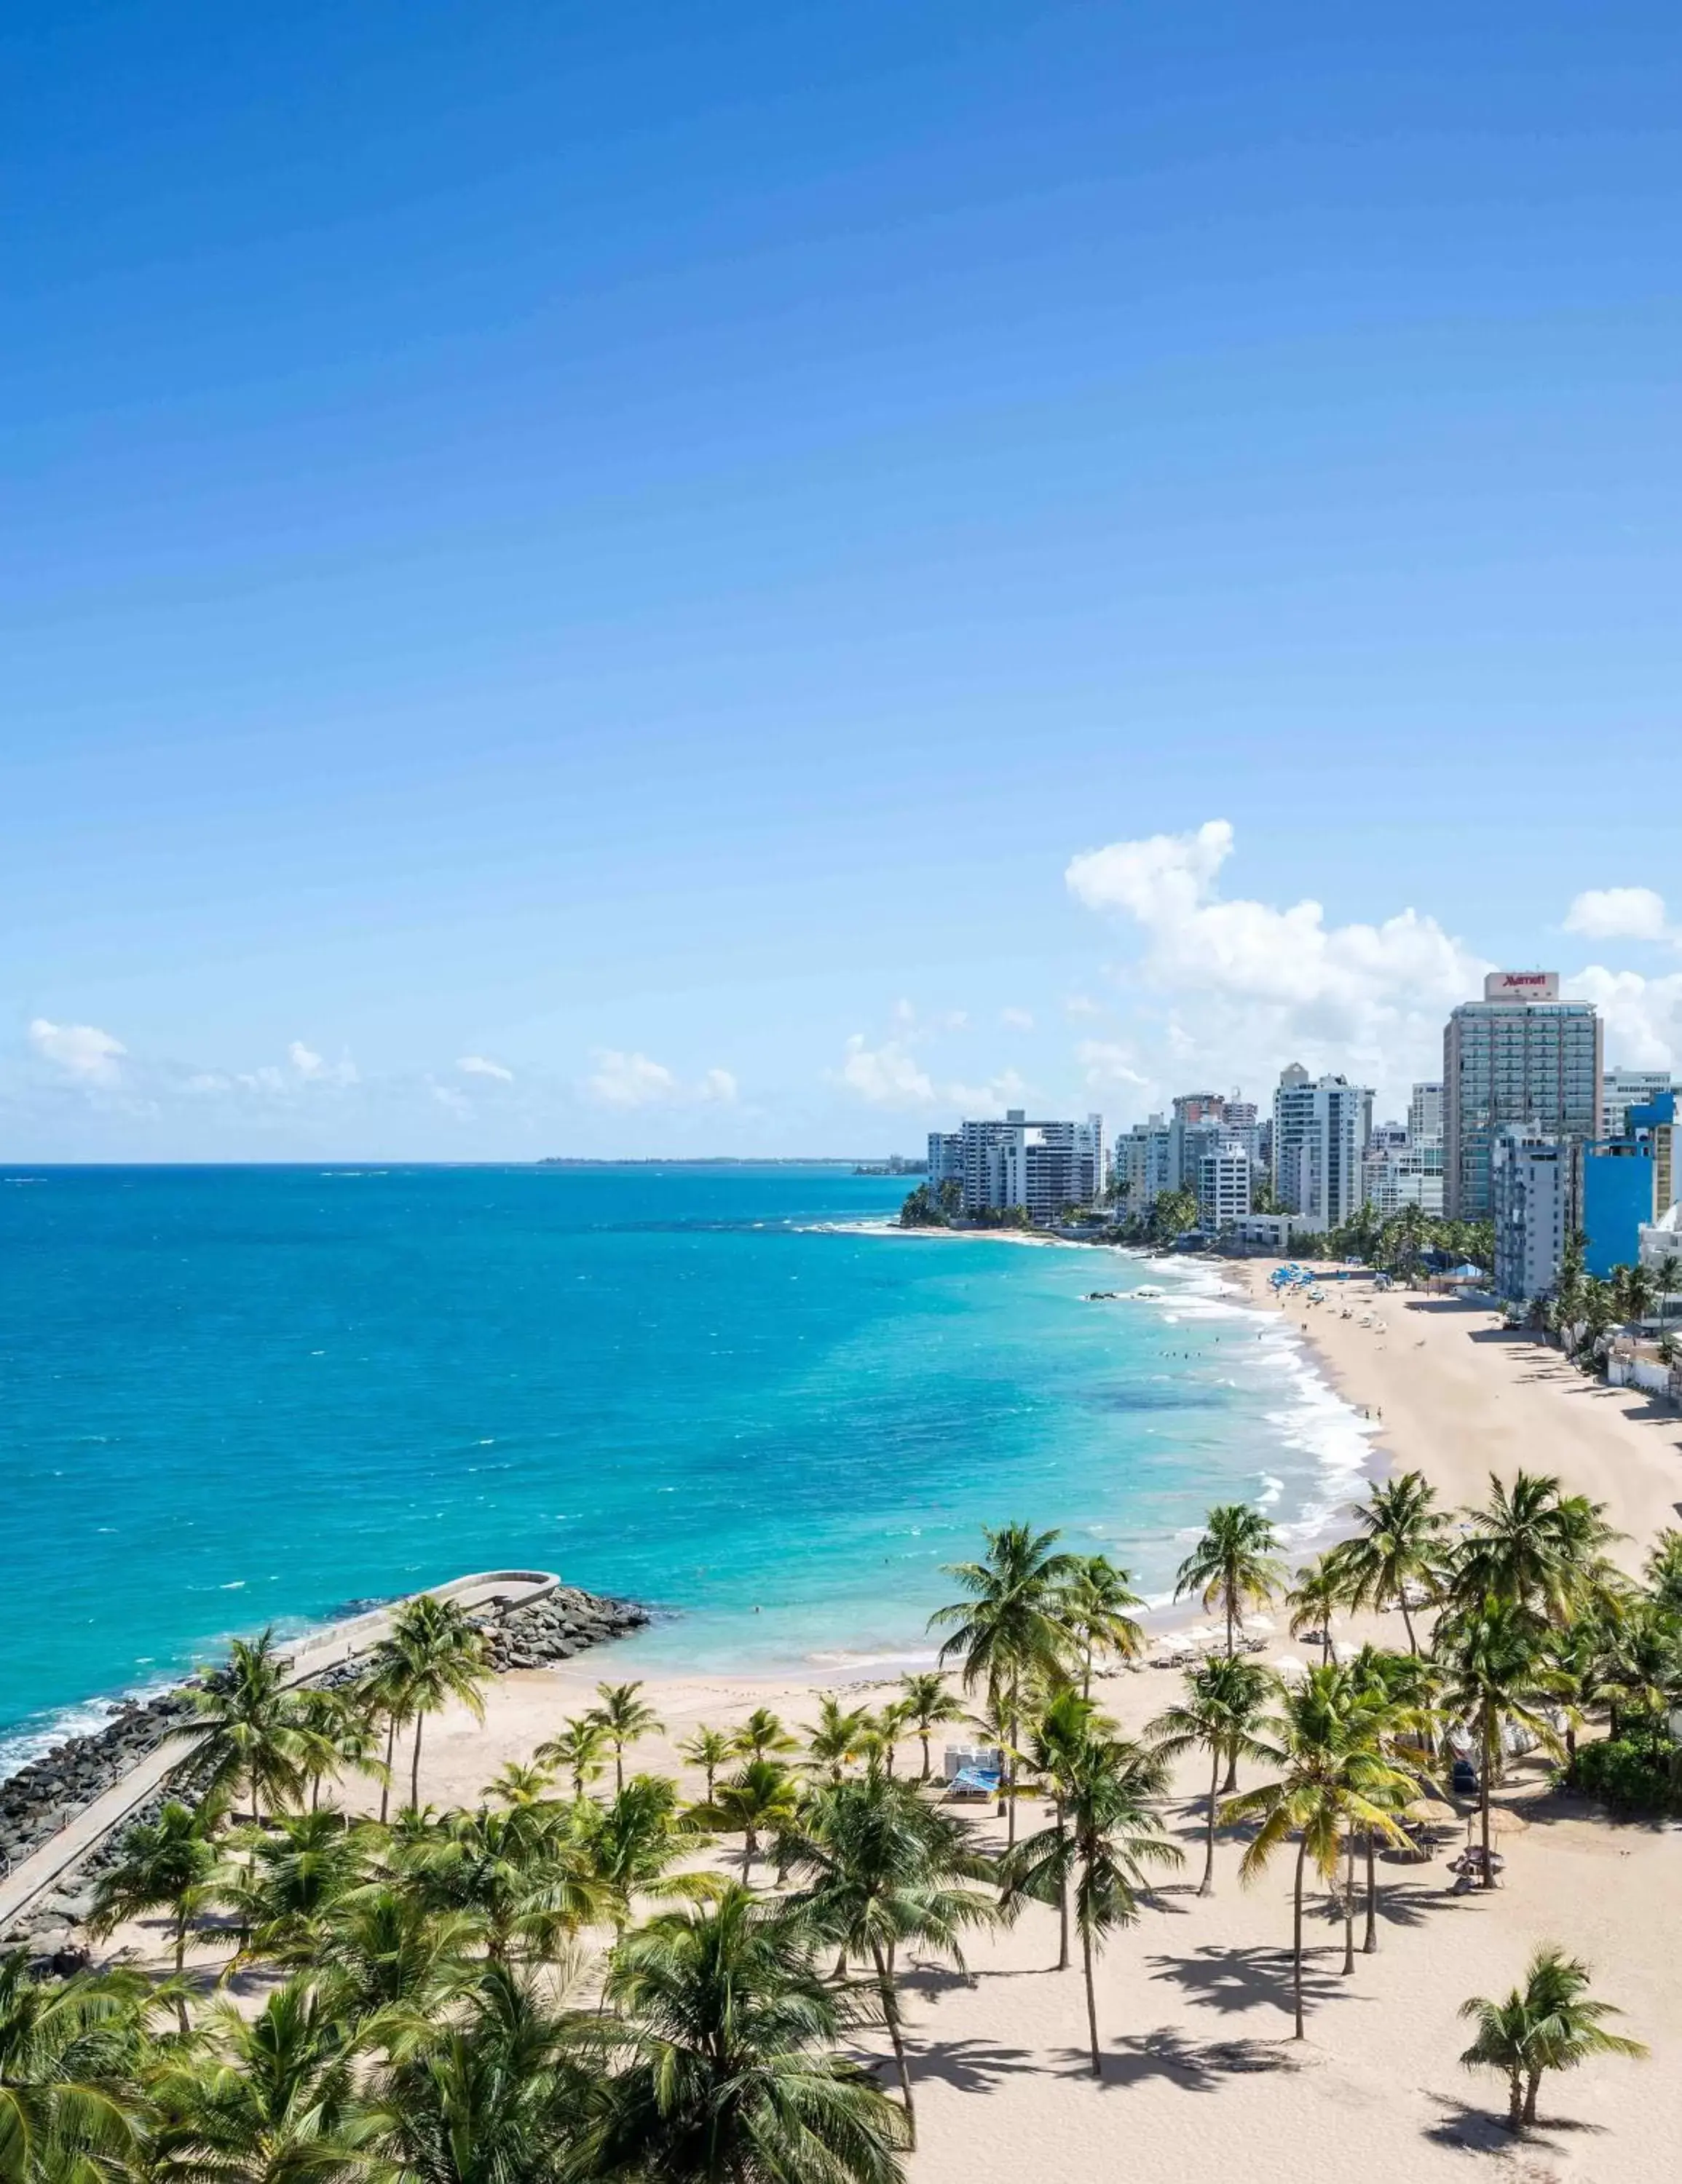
[{"x": 229, "y": 1396}]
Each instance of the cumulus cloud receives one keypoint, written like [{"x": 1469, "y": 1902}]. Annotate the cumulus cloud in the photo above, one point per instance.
[
  {"x": 82, "y": 1051},
  {"x": 1621, "y": 913},
  {"x": 620, "y": 1079},
  {"x": 1110, "y": 1065},
  {"x": 313, "y": 1070},
  {"x": 886, "y": 1076},
  {"x": 1017, "y": 1019},
  {"x": 1249, "y": 985},
  {"x": 479, "y": 1065},
  {"x": 1643, "y": 1016}
]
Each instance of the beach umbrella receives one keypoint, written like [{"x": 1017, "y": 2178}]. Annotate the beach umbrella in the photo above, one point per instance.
[
  {"x": 1289, "y": 1667},
  {"x": 1432, "y": 1813}
]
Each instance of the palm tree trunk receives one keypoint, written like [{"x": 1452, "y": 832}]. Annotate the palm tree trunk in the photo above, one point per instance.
[
  {"x": 1407, "y": 1620},
  {"x": 1007, "y": 1776},
  {"x": 890, "y": 2010},
  {"x": 1515, "y": 2101},
  {"x": 414, "y": 1768},
  {"x": 618, "y": 1770},
  {"x": 1206, "y": 1885},
  {"x": 1369, "y": 1946},
  {"x": 1349, "y": 1909},
  {"x": 391, "y": 1755},
  {"x": 748, "y": 1847},
  {"x": 1062, "y": 1897},
  {"x": 1489, "y": 1876},
  {"x": 1532, "y": 2086},
  {"x": 1296, "y": 1941},
  {"x": 1091, "y": 1999},
  {"x": 927, "y": 1764},
  {"x": 181, "y": 1972},
  {"x": 1229, "y": 1623}
]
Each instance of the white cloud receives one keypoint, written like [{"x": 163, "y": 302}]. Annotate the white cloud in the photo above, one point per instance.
[
  {"x": 1622, "y": 913},
  {"x": 209, "y": 1081},
  {"x": 1017, "y": 1019},
  {"x": 1249, "y": 985},
  {"x": 479, "y": 1065},
  {"x": 1643, "y": 1016},
  {"x": 630, "y": 1080},
  {"x": 717, "y": 1084},
  {"x": 1007, "y": 1089},
  {"x": 452, "y": 1101},
  {"x": 81, "y": 1051},
  {"x": 313, "y": 1070},
  {"x": 1106, "y": 1064},
  {"x": 887, "y": 1076}
]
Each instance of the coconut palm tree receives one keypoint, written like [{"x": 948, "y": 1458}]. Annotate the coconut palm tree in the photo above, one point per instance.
[
  {"x": 726, "y": 2035},
  {"x": 1094, "y": 1607},
  {"x": 626, "y": 1719},
  {"x": 1551, "y": 2023},
  {"x": 761, "y": 1736},
  {"x": 1115, "y": 1831},
  {"x": 166, "y": 1864},
  {"x": 524, "y": 1876},
  {"x": 337, "y": 1735},
  {"x": 1008, "y": 1628},
  {"x": 298, "y": 1870},
  {"x": 440, "y": 1655},
  {"x": 1400, "y": 1543},
  {"x": 265, "y": 2100},
  {"x": 1234, "y": 1564},
  {"x": 1640, "y": 1668},
  {"x": 927, "y": 1702},
  {"x": 1496, "y": 1670},
  {"x": 390, "y": 1955},
  {"x": 709, "y": 1749},
  {"x": 1221, "y": 1714},
  {"x": 383, "y": 1693},
  {"x": 1663, "y": 1570},
  {"x": 68, "y": 2051},
  {"x": 1667, "y": 1283},
  {"x": 880, "y": 1869},
  {"x": 1042, "y": 1867},
  {"x": 1317, "y": 1591},
  {"x": 838, "y": 1737},
  {"x": 759, "y": 1799},
  {"x": 579, "y": 1748},
  {"x": 249, "y": 1718},
  {"x": 883, "y": 1732},
  {"x": 633, "y": 1843},
  {"x": 1333, "y": 1776},
  {"x": 518, "y": 1785},
  {"x": 501, "y": 2092}
]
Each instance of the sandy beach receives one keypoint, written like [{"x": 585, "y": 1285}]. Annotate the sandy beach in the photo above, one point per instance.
[{"x": 1194, "y": 2001}]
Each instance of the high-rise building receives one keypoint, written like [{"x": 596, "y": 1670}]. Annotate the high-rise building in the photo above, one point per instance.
[
  {"x": 1623, "y": 1088},
  {"x": 1321, "y": 1127},
  {"x": 1425, "y": 1112},
  {"x": 1531, "y": 1201},
  {"x": 1520, "y": 1059},
  {"x": 1223, "y": 1185},
  {"x": 1144, "y": 1166},
  {"x": 1199, "y": 1107},
  {"x": 1038, "y": 1167},
  {"x": 945, "y": 1160},
  {"x": 1626, "y": 1183}
]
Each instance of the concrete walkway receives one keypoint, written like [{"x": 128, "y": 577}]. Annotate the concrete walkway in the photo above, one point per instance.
[{"x": 342, "y": 1641}]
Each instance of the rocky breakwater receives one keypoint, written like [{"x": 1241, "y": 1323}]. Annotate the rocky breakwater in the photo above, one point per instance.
[
  {"x": 37, "y": 1801},
  {"x": 566, "y": 1622}
]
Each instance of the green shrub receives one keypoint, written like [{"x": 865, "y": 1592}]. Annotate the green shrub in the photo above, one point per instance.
[{"x": 1635, "y": 1774}]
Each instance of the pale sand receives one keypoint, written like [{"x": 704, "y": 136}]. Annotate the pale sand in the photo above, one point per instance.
[{"x": 999, "y": 2057}]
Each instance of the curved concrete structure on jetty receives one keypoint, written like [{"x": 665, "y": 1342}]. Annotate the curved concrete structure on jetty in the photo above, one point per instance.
[{"x": 86, "y": 1830}]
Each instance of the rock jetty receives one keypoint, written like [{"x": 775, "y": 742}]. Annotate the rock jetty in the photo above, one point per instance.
[{"x": 565, "y": 1623}]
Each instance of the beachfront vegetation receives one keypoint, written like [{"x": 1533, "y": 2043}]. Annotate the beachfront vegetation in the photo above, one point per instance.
[{"x": 568, "y": 1981}]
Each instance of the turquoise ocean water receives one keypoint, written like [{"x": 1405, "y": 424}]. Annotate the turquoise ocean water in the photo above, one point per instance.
[{"x": 233, "y": 1395}]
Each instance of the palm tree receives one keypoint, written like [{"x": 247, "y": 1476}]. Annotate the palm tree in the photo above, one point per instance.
[
  {"x": 836, "y": 1737},
  {"x": 67, "y": 2055},
  {"x": 1115, "y": 1831},
  {"x": 501, "y": 2093},
  {"x": 517, "y": 1785},
  {"x": 1400, "y": 1543},
  {"x": 1496, "y": 1670},
  {"x": 1640, "y": 1669},
  {"x": 298, "y": 1871},
  {"x": 1551, "y": 2023},
  {"x": 760, "y": 1798},
  {"x": 709, "y": 1749},
  {"x": 1043, "y": 1866},
  {"x": 336, "y": 1735},
  {"x": 267, "y": 2100},
  {"x": 166, "y": 1864},
  {"x": 1402, "y": 1691},
  {"x": 1234, "y": 1564},
  {"x": 927, "y": 1702},
  {"x": 626, "y": 1719},
  {"x": 1095, "y": 1605},
  {"x": 728, "y": 2031},
  {"x": 383, "y": 1692},
  {"x": 1220, "y": 1715},
  {"x": 1008, "y": 1627},
  {"x": 440, "y": 1655},
  {"x": 883, "y": 1732},
  {"x": 1663, "y": 1570},
  {"x": 881, "y": 1870},
  {"x": 578, "y": 1748},
  {"x": 524, "y": 1876},
  {"x": 633, "y": 1843},
  {"x": 1333, "y": 1776},
  {"x": 761, "y": 1736},
  {"x": 390, "y": 1953},
  {"x": 1667, "y": 1281},
  {"x": 251, "y": 1740},
  {"x": 1319, "y": 1589}
]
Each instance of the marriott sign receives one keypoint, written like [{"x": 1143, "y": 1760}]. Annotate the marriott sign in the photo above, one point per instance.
[{"x": 1521, "y": 986}]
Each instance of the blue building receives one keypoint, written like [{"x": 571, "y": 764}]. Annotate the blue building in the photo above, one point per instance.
[{"x": 1625, "y": 1184}]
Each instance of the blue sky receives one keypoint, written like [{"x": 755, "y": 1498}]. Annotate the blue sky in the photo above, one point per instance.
[{"x": 642, "y": 547}]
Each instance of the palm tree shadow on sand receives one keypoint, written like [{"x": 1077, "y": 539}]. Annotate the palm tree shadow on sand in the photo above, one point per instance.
[
  {"x": 1232, "y": 1980},
  {"x": 1466, "y": 2126}
]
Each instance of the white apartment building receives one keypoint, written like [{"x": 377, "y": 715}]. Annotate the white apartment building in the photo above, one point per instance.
[
  {"x": 945, "y": 1160},
  {"x": 1425, "y": 1112},
  {"x": 1404, "y": 1175},
  {"x": 1621, "y": 1089},
  {"x": 1038, "y": 1167},
  {"x": 1321, "y": 1127},
  {"x": 1519, "y": 1059},
  {"x": 1531, "y": 1201},
  {"x": 1144, "y": 1164},
  {"x": 1223, "y": 1189}
]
